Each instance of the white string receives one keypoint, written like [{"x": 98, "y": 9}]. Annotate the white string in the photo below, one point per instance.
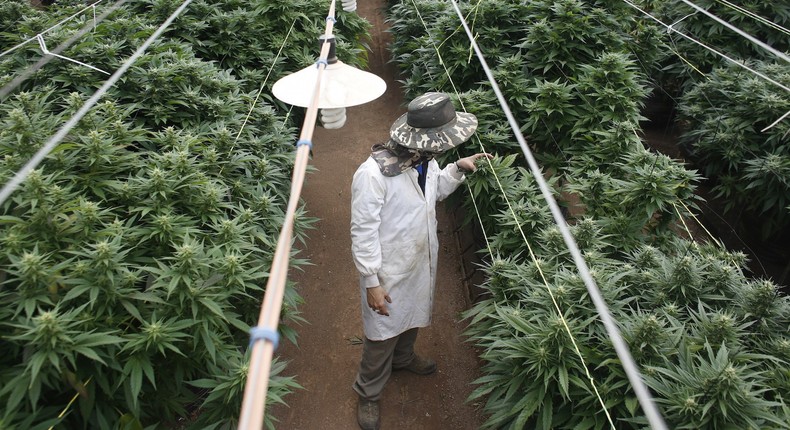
[
  {"x": 265, "y": 80},
  {"x": 629, "y": 365},
  {"x": 17, "y": 46},
  {"x": 480, "y": 219},
  {"x": 748, "y": 36},
  {"x": 737, "y": 63},
  {"x": 39, "y": 156},
  {"x": 669, "y": 29},
  {"x": 51, "y": 28},
  {"x": 60, "y": 48},
  {"x": 755, "y": 16},
  {"x": 775, "y": 122},
  {"x": 44, "y": 49},
  {"x": 490, "y": 165}
]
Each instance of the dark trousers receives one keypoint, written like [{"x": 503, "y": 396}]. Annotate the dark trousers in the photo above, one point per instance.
[{"x": 378, "y": 360}]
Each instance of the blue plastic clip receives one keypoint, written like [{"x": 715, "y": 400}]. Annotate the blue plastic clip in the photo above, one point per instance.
[
  {"x": 304, "y": 142},
  {"x": 320, "y": 62},
  {"x": 331, "y": 18},
  {"x": 262, "y": 333}
]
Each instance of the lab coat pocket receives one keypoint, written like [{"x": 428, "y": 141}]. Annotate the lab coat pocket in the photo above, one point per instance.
[{"x": 398, "y": 258}]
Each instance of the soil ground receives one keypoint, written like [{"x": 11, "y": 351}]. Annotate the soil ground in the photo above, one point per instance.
[{"x": 328, "y": 352}]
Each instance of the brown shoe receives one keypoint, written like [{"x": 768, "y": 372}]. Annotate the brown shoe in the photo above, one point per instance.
[
  {"x": 368, "y": 414},
  {"x": 420, "y": 366}
]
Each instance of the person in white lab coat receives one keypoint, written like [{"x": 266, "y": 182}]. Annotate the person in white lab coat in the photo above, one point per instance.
[{"x": 394, "y": 241}]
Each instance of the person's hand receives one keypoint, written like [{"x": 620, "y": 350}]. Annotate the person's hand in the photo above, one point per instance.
[
  {"x": 467, "y": 164},
  {"x": 378, "y": 299}
]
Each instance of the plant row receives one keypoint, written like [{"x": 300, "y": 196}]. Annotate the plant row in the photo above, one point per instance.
[
  {"x": 135, "y": 256},
  {"x": 726, "y": 110},
  {"x": 711, "y": 343}
]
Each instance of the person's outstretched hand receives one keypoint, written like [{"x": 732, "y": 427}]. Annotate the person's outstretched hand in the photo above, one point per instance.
[
  {"x": 467, "y": 164},
  {"x": 378, "y": 299}
]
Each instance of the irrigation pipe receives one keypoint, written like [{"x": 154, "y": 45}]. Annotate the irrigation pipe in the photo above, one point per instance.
[
  {"x": 652, "y": 413},
  {"x": 264, "y": 335},
  {"x": 42, "y": 153}
]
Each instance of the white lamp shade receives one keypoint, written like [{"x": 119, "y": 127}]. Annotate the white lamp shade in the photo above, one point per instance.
[{"x": 341, "y": 86}]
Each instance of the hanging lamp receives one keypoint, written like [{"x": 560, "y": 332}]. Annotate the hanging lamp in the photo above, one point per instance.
[{"x": 342, "y": 86}]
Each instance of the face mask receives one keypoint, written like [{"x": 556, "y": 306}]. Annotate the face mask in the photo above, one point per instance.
[
  {"x": 394, "y": 159},
  {"x": 420, "y": 156}
]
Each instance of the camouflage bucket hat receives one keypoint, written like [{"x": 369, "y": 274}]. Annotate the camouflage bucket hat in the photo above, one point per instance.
[{"x": 432, "y": 124}]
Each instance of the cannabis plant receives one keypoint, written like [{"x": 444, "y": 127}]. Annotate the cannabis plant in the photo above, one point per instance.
[
  {"x": 135, "y": 255},
  {"x": 687, "y": 59},
  {"x": 728, "y": 118},
  {"x": 679, "y": 315},
  {"x": 575, "y": 76}
]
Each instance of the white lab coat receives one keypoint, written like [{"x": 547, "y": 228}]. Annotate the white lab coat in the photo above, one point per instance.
[{"x": 394, "y": 242}]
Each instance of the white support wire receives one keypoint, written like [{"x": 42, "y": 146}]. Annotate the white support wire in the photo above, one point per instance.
[
  {"x": 65, "y": 20},
  {"x": 775, "y": 122},
  {"x": 46, "y": 51},
  {"x": 17, "y": 81},
  {"x": 42, "y": 153},
  {"x": 748, "y": 36},
  {"x": 670, "y": 28},
  {"x": 12, "y": 49},
  {"x": 753, "y": 15},
  {"x": 263, "y": 85},
  {"x": 737, "y": 63},
  {"x": 515, "y": 217},
  {"x": 94, "y": 18},
  {"x": 651, "y": 411}
]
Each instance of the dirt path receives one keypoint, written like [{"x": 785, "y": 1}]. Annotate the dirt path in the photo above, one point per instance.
[{"x": 328, "y": 353}]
